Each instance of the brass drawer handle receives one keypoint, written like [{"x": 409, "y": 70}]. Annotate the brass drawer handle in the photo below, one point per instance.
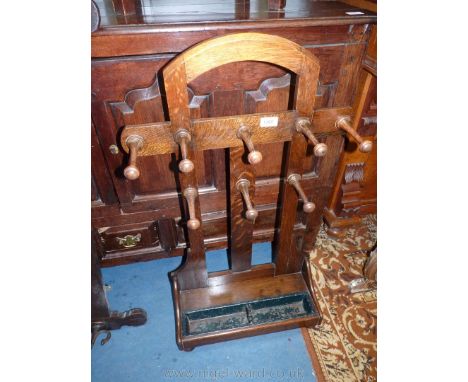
[{"x": 129, "y": 241}]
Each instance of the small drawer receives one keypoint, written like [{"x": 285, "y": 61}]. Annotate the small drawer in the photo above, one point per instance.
[
  {"x": 163, "y": 234},
  {"x": 129, "y": 237}
]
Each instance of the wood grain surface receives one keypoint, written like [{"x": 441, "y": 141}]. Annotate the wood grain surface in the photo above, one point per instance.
[
  {"x": 241, "y": 229},
  {"x": 217, "y": 133}
]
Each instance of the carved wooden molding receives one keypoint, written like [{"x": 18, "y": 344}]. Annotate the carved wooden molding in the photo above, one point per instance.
[
  {"x": 354, "y": 172},
  {"x": 137, "y": 95},
  {"x": 267, "y": 86},
  {"x": 199, "y": 104},
  {"x": 142, "y": 105}
]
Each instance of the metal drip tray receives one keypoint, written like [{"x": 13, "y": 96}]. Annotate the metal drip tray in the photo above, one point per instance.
[{"x": 248, "y": 313}]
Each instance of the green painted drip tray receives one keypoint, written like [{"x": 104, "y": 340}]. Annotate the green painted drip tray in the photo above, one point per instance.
[{"x": 249, "y": 313}]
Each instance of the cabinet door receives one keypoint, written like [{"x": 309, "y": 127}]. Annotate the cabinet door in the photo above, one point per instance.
[{"x": 126, "y": 91}]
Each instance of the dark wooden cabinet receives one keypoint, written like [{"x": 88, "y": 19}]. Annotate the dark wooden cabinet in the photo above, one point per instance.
[{"x": 140, "y": 219}]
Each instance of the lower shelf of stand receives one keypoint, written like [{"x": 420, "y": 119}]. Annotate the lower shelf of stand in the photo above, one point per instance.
[{"x": 244, "y": 308}]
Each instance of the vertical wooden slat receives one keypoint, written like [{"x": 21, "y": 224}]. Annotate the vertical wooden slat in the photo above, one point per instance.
[
  {"x": 193, "y": 273},
  {"x": 241, "y": 229},
  {"x": 287, "y": 258},
  {"x": 286, "y": 248}
]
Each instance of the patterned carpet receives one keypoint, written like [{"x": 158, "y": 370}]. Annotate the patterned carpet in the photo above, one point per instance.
[{"x": 344, "y": 346}]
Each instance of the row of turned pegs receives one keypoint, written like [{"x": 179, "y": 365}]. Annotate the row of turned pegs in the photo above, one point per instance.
[{"x": 183, "y": 138}]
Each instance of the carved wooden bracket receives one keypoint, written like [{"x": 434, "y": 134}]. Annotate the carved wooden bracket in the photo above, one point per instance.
[{"x": 354, "y": 172}]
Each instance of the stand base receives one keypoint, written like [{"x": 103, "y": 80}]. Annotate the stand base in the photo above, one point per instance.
[{"x": 243, "y": 306}]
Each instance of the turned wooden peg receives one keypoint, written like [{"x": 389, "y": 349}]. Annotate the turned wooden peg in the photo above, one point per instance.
[
  {"x": 365, "y": 146},
  {"x": 182, "y": 138},
  {"x": 303, "y": 126},
  {"x": 134, "y": 144},
  {"x": 245, "y": 134},
  {"x": 190, "y": 194},
  {"x": 293, "y": 180},
  {"x": 242, "y": 186}
]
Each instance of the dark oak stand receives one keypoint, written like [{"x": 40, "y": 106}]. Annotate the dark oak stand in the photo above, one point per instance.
[
  {"x": 244, "y": 300},
  {"x": 224, "y": 145}
]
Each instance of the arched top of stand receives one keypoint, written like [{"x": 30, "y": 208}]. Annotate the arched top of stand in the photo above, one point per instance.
[{"x": 242, "y": 47}]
